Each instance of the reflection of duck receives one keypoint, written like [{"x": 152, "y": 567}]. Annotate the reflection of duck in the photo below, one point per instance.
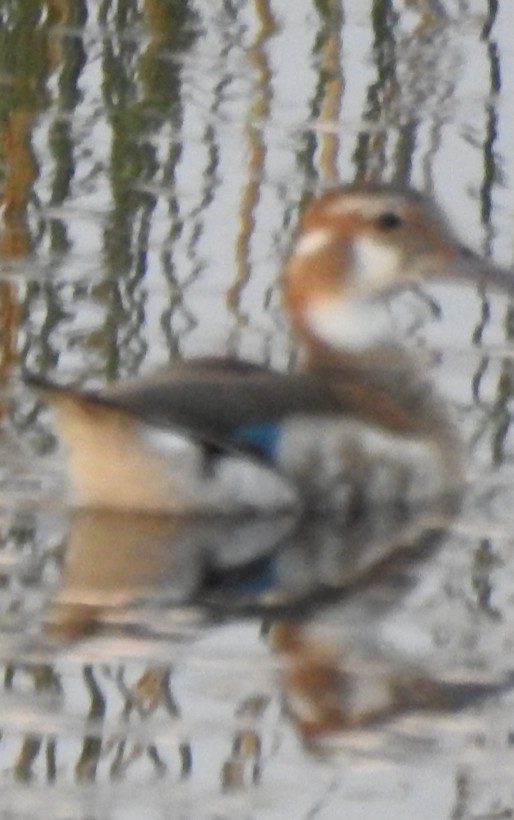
[
  {"x": 160, "y": 560},
  {"x": 332, "y": 686},
  {"x": 328, "y": 595},
  {"x": 273, "y": 566},
  {"x": 358, "y": 422}
]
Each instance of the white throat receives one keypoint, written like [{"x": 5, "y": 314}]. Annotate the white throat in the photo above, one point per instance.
[{"x": 348, "y": 324}]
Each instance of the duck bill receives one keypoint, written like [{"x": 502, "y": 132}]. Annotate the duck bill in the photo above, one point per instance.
[
  {"x": 475, "y": 269},
  {"x": 459, "y": 265}
]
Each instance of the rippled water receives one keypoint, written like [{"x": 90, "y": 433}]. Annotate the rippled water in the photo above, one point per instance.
[{"x": 154, "y": 156}]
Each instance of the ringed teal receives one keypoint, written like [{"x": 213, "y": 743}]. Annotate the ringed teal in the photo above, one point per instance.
[{"x": 359, "y": 420}]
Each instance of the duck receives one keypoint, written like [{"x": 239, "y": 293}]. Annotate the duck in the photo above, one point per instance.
[{"x": 357, "y": 423}]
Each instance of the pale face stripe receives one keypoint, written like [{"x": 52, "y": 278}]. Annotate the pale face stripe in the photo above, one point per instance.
[
  {"x": 376, "y": 266},
  {"x": 313, "y": 241},
  {"x": 365, "y": 206}
]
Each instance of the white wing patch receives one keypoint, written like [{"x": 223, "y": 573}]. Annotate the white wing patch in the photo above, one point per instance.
[{"x": 234, "y": 484}]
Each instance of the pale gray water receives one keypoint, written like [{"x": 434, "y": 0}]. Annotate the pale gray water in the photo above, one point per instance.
[{"x": 154, "y": 156}]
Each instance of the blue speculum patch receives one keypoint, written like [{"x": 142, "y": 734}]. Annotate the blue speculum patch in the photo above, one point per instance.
[{"x": 262, "y": 438}]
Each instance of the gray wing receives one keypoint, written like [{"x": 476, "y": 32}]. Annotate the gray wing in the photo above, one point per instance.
[{"x": 213, "y": 400}]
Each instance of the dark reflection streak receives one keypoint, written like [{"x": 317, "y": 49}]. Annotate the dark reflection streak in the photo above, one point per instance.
[
  {"x": 103, "y": 11},
  {"x": 86, "y": 765},
  {"x": 44, "y": 680},
  {"x": 186, "y": 759},
  {"x": 485, "y": 562},
  {"x": 491, "y": 19},
  {"x": 30, "y": 749},
  {"x": 405, "y": 151},
  {"x": 307, "y": 152},
  {"x": 478, "y": 375},
  {"x": 176, "y": 307},
  {"x": 210, "y": 138},
  {"x": 287, "y": 213},
  {"x": 232, "y": 9},
  {"x": 482, "y": 368},
  {"x": 116, "y": 767},
  {"x": 490, "y": 177},
  {"x": 261, "y": 106},
  {"x": 482, "y": 429},
  {"x": 171, "y": 32},
  {"x": 169, "y": 701},
  {"x": 485, "y": 316},
  {"x": 501, "y": 413},
  {"x": 436, "y": 86},
  {"x": 434, "y": 145},
  {"x": 39, "y": 47},
  {"x": 178, "y": 283},
  {"x": 140, "y": 101},
  {"x": 369, "y": 156},
  {"x": 24, "y": 60},
  {"x": 246, "y": 754},
  {"x": 61, "y": 146},
  {"x": 462, "y": 797},
  {"x": 172, "y": 707},
  {"x": 121, "y": 756},
  {"x": 144, "y": 698},
  {"x": 51, "y": 760},
  {"x": 130, "y": 162},
  {"x": 47, "y": 353},
  {"x": 331, "y": 85},
  {"x": 9, "y": 673},
  {"x": 197, "y": 215},
  {"x": 61, "y": 142},
  {"x": 160, "y": 766},
  {"x": 177, "y": 286},
  {"x": 125, "y": 13}
]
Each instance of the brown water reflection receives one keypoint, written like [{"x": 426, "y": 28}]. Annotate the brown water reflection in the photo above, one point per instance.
[
  {"x": 290, "y": 573},
  {"x": 303, "y": 577}
]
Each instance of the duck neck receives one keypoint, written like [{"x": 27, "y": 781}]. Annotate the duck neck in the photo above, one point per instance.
[
  {"x": 386, "y": 385},
  {"x": 378, "y": 358}
]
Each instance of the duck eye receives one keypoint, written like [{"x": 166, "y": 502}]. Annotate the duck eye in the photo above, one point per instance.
[{"x": 388, "y": 221}]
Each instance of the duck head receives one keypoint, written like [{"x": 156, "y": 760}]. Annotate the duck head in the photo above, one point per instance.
[{"x": 356, "y": 245}]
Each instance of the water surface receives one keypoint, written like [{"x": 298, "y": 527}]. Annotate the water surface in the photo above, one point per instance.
[{"x": 154, "y": 157}]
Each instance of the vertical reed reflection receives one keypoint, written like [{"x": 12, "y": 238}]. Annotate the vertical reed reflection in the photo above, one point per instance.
[
  {"x": 257, "y": 120},
  {"x": 332, "y": 90}
]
